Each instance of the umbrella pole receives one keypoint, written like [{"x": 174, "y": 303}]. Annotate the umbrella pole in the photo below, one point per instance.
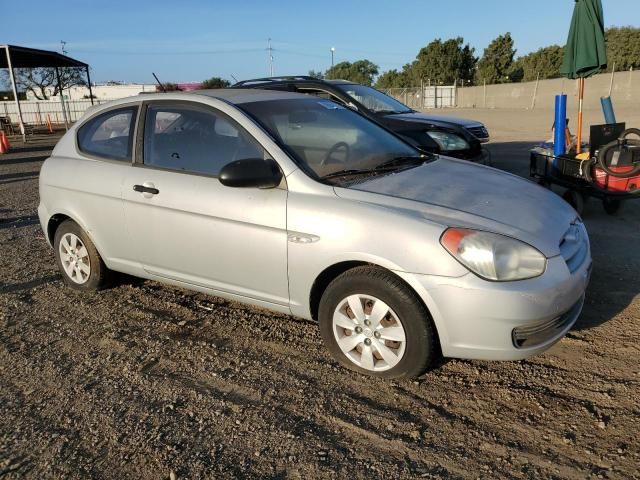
[{"x": 580, "y": 100}]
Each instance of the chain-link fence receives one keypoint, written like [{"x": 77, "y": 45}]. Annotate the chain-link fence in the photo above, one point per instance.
[{"x": 425, "y": 97}]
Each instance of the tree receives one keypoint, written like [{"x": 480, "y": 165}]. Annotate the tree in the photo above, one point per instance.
[
  {"x": 169, "y": 87},
  {"x": 443, "y": 62},
  {"x": 623, "y": 47},
  {"x": 360, "y": 71},
  {"x": 215, "y": 82},
  {"x": 316, "y": 74},
  {"x": 545, "y": 62},
  {"x": 43, "y": 83},
  {"x": 393, "y": 79},
  {"x": 497, "y": 61}
]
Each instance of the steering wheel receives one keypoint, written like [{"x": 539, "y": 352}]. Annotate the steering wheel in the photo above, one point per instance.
[{"x": 338, "y": 146}]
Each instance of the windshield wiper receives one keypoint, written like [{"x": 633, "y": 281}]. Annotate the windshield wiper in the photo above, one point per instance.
[
  {"x": 349, "y": 172},
  {"x": 388, "y": 166},
  {"x": 402, "y": 161},
  {"x": 393, "y": 112}
]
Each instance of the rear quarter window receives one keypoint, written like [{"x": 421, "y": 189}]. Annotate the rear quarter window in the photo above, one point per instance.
[{"x": 109, "y": 135}]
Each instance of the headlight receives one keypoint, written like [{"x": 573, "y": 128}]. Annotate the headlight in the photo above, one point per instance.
[
  {"x": 448, "y": 141},
  {"x": 492, "y": 256}
]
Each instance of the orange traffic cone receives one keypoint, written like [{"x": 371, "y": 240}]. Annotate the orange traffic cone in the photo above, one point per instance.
[
  {"x": 5, "y": 139},
  {"x": 3, "y": 145}
]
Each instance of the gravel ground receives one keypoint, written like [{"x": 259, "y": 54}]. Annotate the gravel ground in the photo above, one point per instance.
[{"x": 148, "y": 381}]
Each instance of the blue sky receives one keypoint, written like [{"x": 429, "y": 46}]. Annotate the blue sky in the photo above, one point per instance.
[{"x": 189, "y": 40}]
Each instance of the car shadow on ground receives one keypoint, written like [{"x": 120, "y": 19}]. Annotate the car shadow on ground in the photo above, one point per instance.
[
  {"x": 13, "y": 222},
  {"x": 614, "y": 282},
  {"x": 21, "y": 160}
]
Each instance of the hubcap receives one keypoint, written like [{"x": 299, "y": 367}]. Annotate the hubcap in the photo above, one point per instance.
[
  {"x": 74, "y": 258},
  {"x": 369, "y": 332}
]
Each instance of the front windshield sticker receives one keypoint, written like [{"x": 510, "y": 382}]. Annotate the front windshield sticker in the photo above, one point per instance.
[{"x": 330, "y": 105}]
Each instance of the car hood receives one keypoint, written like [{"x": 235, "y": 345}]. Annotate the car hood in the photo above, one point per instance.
[
  {"x": 442, "y": 120},
  {"x": 457, "y": 193}
]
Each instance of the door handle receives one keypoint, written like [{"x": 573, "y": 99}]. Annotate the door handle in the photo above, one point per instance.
[{"x": 145, "y": 189}]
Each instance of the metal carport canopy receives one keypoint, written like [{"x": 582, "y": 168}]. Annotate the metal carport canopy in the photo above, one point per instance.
[{"x": 23, "y": 57}]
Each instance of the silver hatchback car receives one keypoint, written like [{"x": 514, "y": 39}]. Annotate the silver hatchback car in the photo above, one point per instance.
[{"x": 299, "y": 205}]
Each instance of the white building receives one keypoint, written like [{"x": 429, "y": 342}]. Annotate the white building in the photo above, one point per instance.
[{"x": 102, "y": 92}]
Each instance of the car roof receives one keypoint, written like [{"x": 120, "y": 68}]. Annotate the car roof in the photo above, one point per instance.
[
  {"x": 237, "y": 96},
  {"x": 258, "y": 82}
]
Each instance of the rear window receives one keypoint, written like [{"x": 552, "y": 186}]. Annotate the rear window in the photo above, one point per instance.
[{"x": 109, "y": 135}]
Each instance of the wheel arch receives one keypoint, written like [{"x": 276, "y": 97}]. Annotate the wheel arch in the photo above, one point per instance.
[
  {"x": 55, "y": 220},
  {"x": 53, "y": 223},
  {"x": 330, "y": 273}
]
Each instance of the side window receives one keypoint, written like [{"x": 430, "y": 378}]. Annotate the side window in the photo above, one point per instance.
[
  {"x": 195, "y": 140},
  {"x": 109, "y": 135}
]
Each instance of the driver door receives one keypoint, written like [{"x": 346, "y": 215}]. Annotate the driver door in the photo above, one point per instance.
[{"x": 185, "y": 225}]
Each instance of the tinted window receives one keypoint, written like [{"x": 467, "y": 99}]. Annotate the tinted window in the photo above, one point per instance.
[
  {"x": 109, "y": 135},
  {"x": 194, "y": 139},
  {"x": 373, "y": 99}
]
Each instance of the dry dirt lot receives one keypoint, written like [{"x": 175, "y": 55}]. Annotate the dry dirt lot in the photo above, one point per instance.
[{"x": 148, "y": 381}]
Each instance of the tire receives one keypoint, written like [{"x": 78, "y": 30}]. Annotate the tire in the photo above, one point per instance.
[
  {"x": 73, "y": 247},
  {"x": 611, "y": 205},
  {"x": 544, "y": 183},
  {"x": 575, "y": 199},
  {"x": 367, "y": 286}
]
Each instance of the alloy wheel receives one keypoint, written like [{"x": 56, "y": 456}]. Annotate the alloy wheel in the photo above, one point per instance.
[{"x": 74, "y": 258}]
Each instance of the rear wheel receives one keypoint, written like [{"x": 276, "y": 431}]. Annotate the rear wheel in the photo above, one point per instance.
[
  {"x": 373, "y": 323},
  {"x": 575, "y": 199},
  {"x": 78, "y": 260}
]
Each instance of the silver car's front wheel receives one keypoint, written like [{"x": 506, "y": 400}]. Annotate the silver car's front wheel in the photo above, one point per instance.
[
  {"x": 374, "y": 323},
  {"x": 369, "y": 332},
  {"x": 74, "y": 258}
]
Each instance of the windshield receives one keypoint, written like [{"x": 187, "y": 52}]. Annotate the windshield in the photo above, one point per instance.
[
  {"x": 326, "y": 137},
  {"x": 372, "y": 99}
]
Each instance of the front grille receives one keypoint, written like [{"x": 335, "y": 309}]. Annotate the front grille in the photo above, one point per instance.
[
  {"x": 533, "y": 335},
  {"x": 479, "y": 132},
  {"x": 574, "y": 246}
]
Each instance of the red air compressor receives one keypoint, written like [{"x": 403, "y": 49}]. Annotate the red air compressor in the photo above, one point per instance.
[{"x": 617, "y": 166}]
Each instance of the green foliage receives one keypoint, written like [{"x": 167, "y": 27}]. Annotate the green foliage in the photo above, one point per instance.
[
  {"x": 215, "y": 82},
  {"x": 360, "y": 71},
  {"x": 169, "y": 87},
  {"x": 316, "y": 74},
  {"x": 497, "y": 61},
  {"x": 623, "y": 47},
  {"x": 393, "y": 79},
  {"x": 443, "y": 62},
  {"x": 545, "y": 61}
]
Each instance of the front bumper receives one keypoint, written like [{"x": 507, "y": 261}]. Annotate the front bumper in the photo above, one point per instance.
[{"x": 478, "y": 319}]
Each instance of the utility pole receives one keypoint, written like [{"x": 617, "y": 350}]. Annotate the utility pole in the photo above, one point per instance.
[
  {"x": 270, "y": 50},
  {"x": 64, "y": 44},
  {"x": 333, "y": 50}
]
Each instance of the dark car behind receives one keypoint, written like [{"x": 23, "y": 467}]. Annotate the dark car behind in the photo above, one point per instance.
[{"x": 455, "y": 137}]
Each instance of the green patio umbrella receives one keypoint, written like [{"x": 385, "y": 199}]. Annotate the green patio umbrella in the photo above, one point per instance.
[{"x": 586, "y": 52}]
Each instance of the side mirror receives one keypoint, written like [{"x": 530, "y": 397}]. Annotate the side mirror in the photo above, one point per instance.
[{"x": 251, "y": 173}]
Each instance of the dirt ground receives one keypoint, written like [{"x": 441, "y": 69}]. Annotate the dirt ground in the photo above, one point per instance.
[{"x": 148, "y": 381}]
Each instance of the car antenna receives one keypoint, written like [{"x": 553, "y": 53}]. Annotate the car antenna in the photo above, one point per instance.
[{"x": 164, "y": 90}]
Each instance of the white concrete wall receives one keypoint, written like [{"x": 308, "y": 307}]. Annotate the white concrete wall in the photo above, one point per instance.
[{"x": 625, "y": 92}]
